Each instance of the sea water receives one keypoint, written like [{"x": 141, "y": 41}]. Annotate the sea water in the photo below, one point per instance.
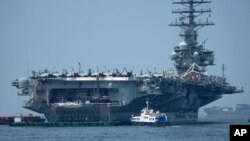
[{"x": 196, "y": 132}]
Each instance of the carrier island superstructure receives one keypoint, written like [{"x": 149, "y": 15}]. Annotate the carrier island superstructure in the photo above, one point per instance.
[{"x": 116, "y": 95}]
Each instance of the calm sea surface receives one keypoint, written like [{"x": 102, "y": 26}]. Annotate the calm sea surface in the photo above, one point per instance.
[{"x": 200, "y": 132}]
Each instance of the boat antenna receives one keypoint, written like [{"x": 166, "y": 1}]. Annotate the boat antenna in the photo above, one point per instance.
[
  {"x": 147, "y": 102},
  {"x": 223, "y": 70}
]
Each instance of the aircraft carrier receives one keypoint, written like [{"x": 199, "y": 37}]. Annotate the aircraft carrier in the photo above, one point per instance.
[{"x": 116, "y": 95}]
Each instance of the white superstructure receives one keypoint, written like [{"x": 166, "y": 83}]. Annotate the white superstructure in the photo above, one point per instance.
[{"x": 149, "y": 116}]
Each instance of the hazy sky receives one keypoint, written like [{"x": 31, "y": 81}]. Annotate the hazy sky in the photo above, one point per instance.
[{"x": 39, "y": 34}]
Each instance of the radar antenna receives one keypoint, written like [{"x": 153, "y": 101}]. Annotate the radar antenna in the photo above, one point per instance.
[{"x": 189, "y": 51}]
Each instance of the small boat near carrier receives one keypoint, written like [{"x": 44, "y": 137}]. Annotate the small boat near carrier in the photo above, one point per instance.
[{"x": 150, "y": 117}]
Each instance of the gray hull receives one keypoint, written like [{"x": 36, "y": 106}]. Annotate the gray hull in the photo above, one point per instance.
[{"x": 105, "y": 96}]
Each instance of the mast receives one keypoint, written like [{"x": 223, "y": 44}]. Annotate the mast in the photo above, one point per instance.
[
  {"x": 147, "y": 104},
  {"x": 223, "y": 71},
  {"x": 189, "y": 50}
]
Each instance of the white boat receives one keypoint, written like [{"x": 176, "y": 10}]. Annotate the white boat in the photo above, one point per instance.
[{"x": 149, "y": 117}]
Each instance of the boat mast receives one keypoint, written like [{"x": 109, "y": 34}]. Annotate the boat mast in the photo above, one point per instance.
[
  {"x": 189, "y": 51},
  {"x": 147, "y": 104},
  {"x": 223, "y": 71}
]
